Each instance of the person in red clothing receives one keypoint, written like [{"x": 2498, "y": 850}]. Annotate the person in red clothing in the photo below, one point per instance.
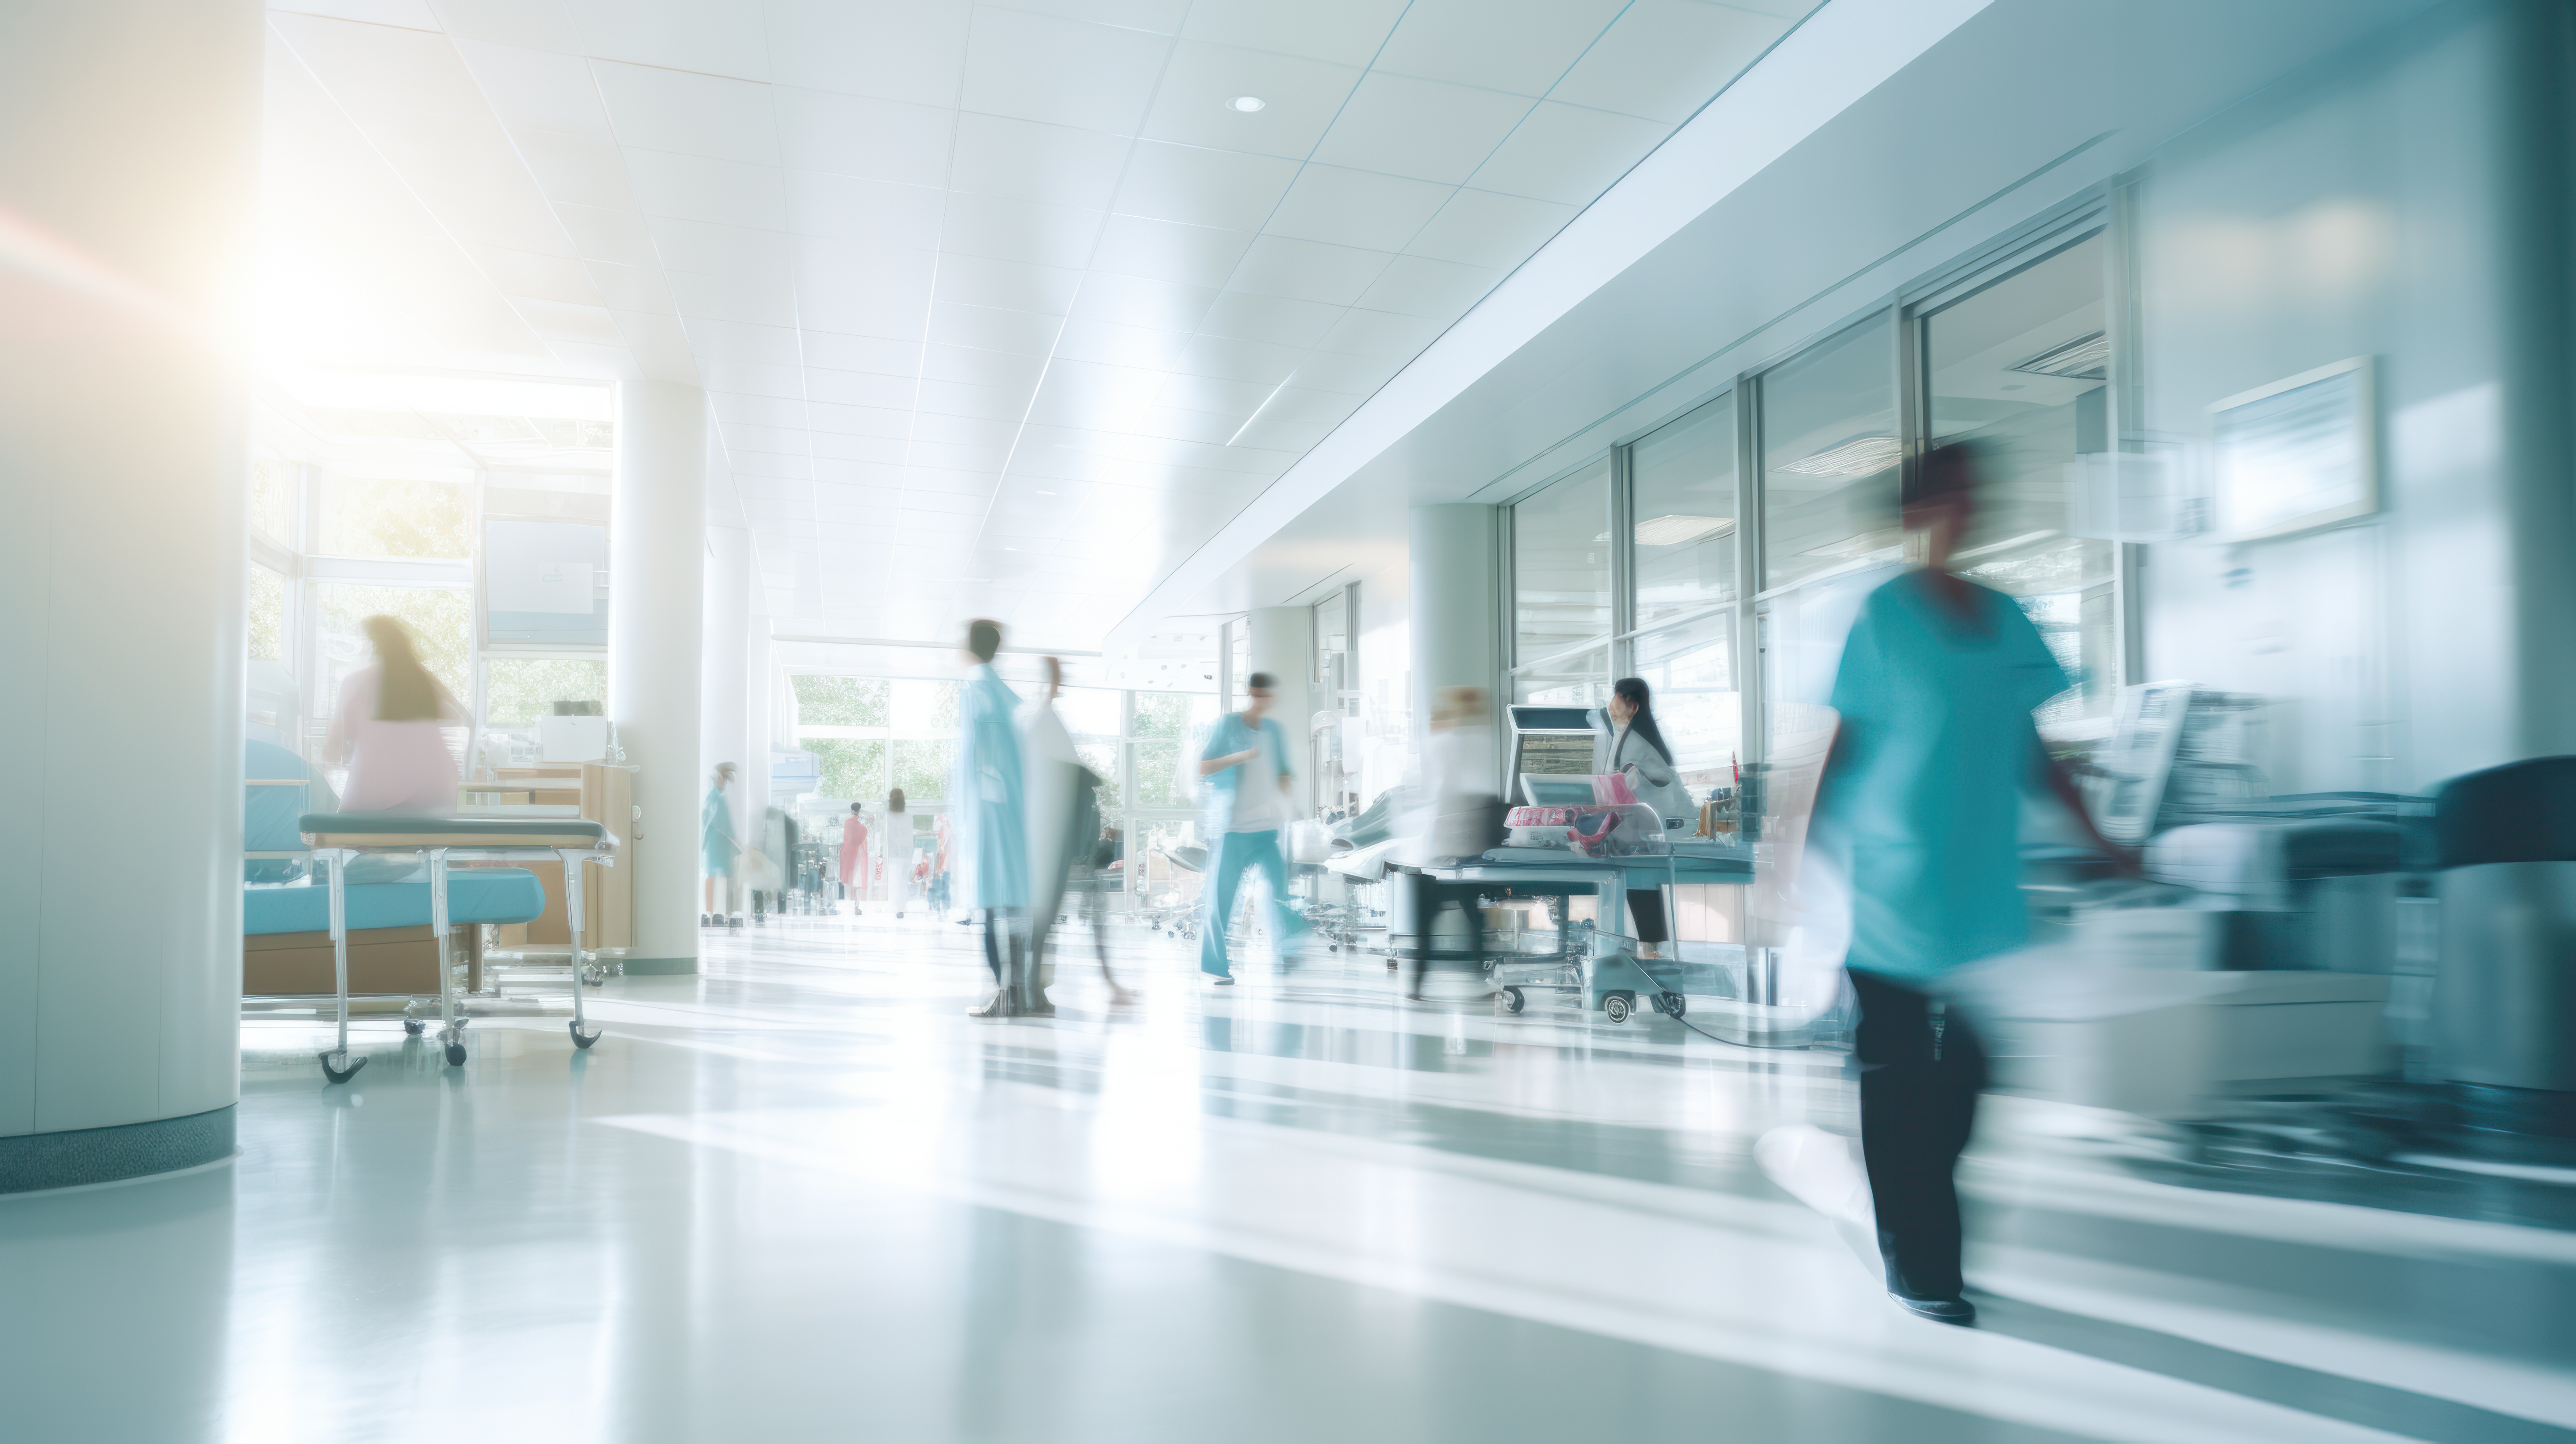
[{"x": 854, "y": 855}]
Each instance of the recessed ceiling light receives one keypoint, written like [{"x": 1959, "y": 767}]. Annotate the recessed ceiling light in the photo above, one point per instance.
[{"x": 1247, "y": 103}]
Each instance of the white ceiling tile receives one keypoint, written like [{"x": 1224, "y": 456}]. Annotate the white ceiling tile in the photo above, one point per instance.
[
  {"x": 546, "y": 278},
  {"x": 1382, "y": 334},
  {"x": 959, "y": 399},
  {"x": 605, "y": 363},
  {"x": 632, "y": 288},
  {"x": 882, "y": 422},
  {"x": 1009, "y": 285},
  {"x": 735, "y": 341},
  {"x": 1181, "y": 425},
  {"x": 1239, "y": 360},
  {"x": 856, "y": 262},
  {"x": 1351, "y": 375},
  {"x": 1064, "y": 72},
  {"x": 1021, "y": 332},
  {"x": 947, "y": 426},
  {"x": 863, "y": 135},
  {"x": 773, "y": 463},
  {"x": 1008, "y": 230},
  {"x": 1162, "y": 17},
  {"x": 1427, "y": 129},
  {"x": 1169, "y": 250},
  {"x": 911, "y": 50},
  {"x": 1203, "y": 187},
  {"x": 762, "y": 438},
  {"x": 719, "y": 296},
  {"x": 861, "y": 353},
  {"x": 736, "y": 408},
  {"x": 1214, "y": 394},
  {"x": 968, "y": 465},
  {"x": 980, "y": 368},
  {"x": 1138, "y": 301},
  {"x": 1308, "y": 270},
  {"x": 1299, "y": 99},
  {"x": 858, "y": 388},
  {"x": 1420, "y": 286},
  {"x": 1664, "y": 59},
  {"x": 688, "y": 114},
  {"x": 1279, "y": 320},
  {"x": 862, "y": 303},
  {"x": 1108, "y": 342},
  {"x": 710, "y": 37},
  {"x": 1568, "y": 154},
  {"x": 549, "y": 86},
  {"x": 842, "y": 446},
  {"x": 848, "y": 208},
  {"x": 703, "y": 246},
  {"x": 847, "y": 502},
  {"x": 1030, "y": 161},
  {"x": 753, "y": 376},
  {"x": 1348, "y": 32},
  {"x": 752, "y": 487},
  {"x": 601, "y": 234},
  {"x": 694, "y": 188},
  {"x": 575, "y": 169},
  {"x": 1356, "y": 208},
  {"x": 1522, "y": 46},
  {"x": 1480, "y": 228}
]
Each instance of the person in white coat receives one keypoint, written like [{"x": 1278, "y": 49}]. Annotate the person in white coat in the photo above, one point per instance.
[
  {"x": 1061, "y": 831},
  {"x": 1631, "y": 745}
]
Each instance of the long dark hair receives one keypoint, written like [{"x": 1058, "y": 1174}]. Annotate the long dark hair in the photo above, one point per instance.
[
  {"x": 405, "y": 691},
  {"x": 1632, "y": 690},
  {"x": 894, "y": 800}
]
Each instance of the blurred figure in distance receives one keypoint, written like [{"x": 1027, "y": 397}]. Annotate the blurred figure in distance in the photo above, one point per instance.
[{"x": 989, "y": 802}]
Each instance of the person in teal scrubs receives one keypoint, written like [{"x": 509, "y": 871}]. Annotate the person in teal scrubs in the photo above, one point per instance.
[
  {"x": 716, "y": 841},
  {"x": 989, "y": 848},
  {"x": 1921, "y": 796},
  {"x": 1246, "y": 766}
]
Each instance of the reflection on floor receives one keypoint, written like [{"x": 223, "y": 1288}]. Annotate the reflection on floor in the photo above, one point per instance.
[{"x": 803, "y": 1197}]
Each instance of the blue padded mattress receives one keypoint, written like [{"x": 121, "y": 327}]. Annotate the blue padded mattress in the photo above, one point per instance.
[{"x": 474, "y": 895}]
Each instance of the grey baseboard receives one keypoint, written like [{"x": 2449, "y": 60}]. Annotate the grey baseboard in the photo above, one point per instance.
[
  {"x": 660, "y": 967},
  {"x": 31, "y": 1161}
]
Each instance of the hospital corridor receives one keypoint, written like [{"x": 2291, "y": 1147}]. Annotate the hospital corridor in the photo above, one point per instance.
[{"x": 1176, "y": 720}]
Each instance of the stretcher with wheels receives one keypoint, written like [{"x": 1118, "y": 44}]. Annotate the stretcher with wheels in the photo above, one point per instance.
[{"x": 338, "y": 838}]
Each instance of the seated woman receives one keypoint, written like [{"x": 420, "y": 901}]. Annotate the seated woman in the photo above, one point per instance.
[{"x": 387, "y": 728}]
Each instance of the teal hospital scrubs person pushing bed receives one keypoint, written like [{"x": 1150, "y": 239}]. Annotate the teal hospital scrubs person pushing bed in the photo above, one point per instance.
[
  {"x": 1921, "y": 796},
  {"x": 1245, "y": 764}
]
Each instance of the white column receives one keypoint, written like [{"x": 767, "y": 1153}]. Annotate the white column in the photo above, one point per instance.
[
  {"x": 133, "y": 153},
  {"x": 724, "y": 702},
  {"x": 761, "y": 723},
  {"x": 1456, "y": 600},
  {"x": 656, "y": 621},
  {"x": 1283, "y": 645}
]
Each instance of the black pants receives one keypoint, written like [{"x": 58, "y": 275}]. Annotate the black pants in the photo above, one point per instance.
[
  {"x": 1921, "y": 1068},
  {"x": 1429, "y": 897},
  {"x": 1646, "y": 907}
]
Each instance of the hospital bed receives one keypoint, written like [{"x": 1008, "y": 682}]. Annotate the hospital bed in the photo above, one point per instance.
[{"x": 338, "y": 838}]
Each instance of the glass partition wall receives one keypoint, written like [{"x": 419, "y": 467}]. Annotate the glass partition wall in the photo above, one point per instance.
[{"x": 1636, "y": 563}]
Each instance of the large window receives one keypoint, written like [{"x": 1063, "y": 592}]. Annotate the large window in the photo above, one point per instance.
[
  {"x": 1561, "y": 566},
  {"x": 1829, "y": 457},
  {"x": 2021, "y": 370},
  {"x": 519, "y": 690},
  {"x": 1684, "y": 515},
  {"x": 395, "y": 517}
]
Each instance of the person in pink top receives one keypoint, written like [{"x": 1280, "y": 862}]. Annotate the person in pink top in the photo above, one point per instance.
[
  {"x": 854, "y": 856},
  {"x": 386, "y": 727}
]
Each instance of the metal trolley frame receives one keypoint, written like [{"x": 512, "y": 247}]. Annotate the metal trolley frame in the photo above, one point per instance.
[{"x": 337, "y": 839}]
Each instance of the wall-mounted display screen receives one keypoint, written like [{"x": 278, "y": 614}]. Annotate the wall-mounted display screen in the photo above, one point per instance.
[
  {"x": 2296, "y": 454},
  {"x": 545, "y": 583}
]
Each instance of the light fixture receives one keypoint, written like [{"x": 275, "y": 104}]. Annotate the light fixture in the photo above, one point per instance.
[
  {"x": 1860, "y": 456},
  {"x": 1247, "y": 103},
  {"x": 2086, "y": 358},
  {"x": 1672, "y": 531}
]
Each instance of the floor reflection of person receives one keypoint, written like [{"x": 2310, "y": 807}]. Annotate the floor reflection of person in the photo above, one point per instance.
[{"x": 1921, "y": 795}]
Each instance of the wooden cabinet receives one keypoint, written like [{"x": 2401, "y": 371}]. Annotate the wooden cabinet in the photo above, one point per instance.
[{"x": 605, "y": 793}]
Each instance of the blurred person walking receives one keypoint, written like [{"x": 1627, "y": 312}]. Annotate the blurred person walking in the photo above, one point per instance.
[
  {"x": 1462, "y": 817},
  {"x": 897, "y": 849},
  {"x": 718, "y": 849},
  {"x": 1063, "y": 816},
  {"x": 1630, "y": 744},
  {"x": 1246, "y": 766},
  {"x": 854, "y": 857},
  {"x": 1920, "y": 798},
  {"x": 988, "y": 799}
]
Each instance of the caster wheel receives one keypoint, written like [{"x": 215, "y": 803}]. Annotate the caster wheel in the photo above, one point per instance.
[
  {"x": 1672, "y": 1005},
  {"x": 1615, "y": 1007},
  {"x": 456, "y": 1055},
  {"x": 341, "y": 1067},
  {"x": 414, "y": 1026},
  {"x": 581, "y": 1040},
  {"x": 1513, "y": 1000}
]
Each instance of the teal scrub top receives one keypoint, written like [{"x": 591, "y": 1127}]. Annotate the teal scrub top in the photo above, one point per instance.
[
  {"x": 1231, "y": 735},
  {"x": 1925, "y": 801}
]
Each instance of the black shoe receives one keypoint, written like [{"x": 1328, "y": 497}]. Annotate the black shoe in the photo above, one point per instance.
[
  {"x": 1224, "y": 982},
  {"x": 1940, "y": 1311}
]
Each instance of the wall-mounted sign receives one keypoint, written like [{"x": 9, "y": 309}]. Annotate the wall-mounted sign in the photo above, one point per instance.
[{"x": 2297, "y": 454}]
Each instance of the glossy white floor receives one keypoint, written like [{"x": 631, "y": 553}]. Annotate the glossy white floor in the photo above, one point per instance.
[{"x": 802, "y": 1197}]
